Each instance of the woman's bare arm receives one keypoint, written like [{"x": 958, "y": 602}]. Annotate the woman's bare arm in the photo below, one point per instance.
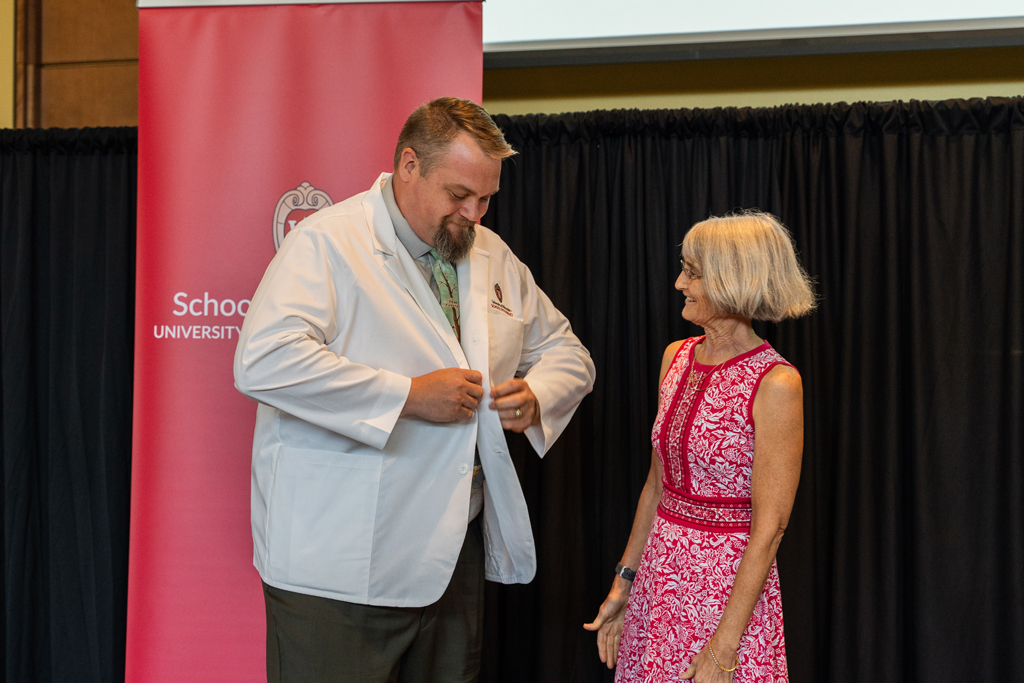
[
  {"x": 778, "y": 448},
  {"x": 608, "y": 622}
]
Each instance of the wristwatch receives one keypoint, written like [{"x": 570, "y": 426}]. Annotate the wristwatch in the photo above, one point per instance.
[{"x": 625, "y": 572}]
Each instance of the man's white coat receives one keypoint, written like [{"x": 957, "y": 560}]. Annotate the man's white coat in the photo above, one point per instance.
[{"x": 350, "y": 501}]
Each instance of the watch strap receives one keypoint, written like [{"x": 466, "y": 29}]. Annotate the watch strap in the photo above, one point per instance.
[{"x": 625, "y": 572}]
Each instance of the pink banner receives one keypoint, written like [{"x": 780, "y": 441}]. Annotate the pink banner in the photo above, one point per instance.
[{"x": 249, "y": 119}]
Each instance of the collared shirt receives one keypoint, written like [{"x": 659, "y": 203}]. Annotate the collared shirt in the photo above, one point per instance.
[{"x": 420, "y": 251}]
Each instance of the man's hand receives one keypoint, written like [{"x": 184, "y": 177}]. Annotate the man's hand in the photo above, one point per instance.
[
  {"x": 445, "y": 395},
  {"x": 511, "y": 396}
]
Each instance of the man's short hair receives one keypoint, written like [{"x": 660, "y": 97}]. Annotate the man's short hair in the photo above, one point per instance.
[
  {"x": 434, "y": 125},
  {"x": 749, "y": 267}
]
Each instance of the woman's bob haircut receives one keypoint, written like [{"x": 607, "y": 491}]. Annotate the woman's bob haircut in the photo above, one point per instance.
[{"x": 749, "y": 267}]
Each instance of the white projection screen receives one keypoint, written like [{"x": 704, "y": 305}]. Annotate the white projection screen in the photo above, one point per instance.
[{"x": 551, "y": 32}]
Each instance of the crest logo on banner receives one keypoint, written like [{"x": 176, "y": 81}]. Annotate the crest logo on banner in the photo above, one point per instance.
[{"x": 293, "y": 206}]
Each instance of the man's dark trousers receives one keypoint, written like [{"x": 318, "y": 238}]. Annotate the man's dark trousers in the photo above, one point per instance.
[{"x": 318, "y": 640}]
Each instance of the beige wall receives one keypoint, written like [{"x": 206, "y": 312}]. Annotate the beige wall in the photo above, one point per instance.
[
  {"x": 6, "y": 63},
  {"x": 765, "y": 82}
]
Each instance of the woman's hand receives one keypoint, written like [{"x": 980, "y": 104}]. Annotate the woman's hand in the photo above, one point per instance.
[
  {"x": 704, "y": 670},
  {"x": 608, "y": 622}
]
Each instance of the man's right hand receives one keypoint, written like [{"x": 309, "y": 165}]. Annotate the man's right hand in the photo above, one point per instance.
[{"x": 445, "y": 395}]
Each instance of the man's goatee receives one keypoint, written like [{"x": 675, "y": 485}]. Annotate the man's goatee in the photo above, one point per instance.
[{"x": 453, "y": 246}]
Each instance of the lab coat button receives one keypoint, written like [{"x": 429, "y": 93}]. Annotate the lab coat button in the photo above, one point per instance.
[{"x": 463, "y": 468}]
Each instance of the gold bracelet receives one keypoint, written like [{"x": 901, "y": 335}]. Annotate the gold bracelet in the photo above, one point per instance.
[{"x": 716, "y": 659}]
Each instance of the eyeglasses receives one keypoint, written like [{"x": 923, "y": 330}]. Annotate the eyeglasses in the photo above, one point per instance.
[{"x": 691, "y": 274}]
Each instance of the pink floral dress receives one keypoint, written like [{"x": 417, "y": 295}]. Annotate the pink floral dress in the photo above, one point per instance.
[{"x": 704, "y": 435}]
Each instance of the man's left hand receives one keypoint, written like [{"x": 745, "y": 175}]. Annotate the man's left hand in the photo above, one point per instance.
[{"x": 510, "y": 396}]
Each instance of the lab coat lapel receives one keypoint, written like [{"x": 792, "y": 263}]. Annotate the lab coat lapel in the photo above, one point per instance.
[
  {"x": 472, "y": 274},
  {"x": 405, "y": 271},
  {"x": 515, "y": 531},
  {"x": 399, "y": 262}
]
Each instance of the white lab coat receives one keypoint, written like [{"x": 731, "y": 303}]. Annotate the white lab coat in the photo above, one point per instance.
[{"x": 349, "y": 500}]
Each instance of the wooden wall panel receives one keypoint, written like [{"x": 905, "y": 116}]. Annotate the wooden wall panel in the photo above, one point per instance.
[
  {"x": 75, "y": 96},
  {"x": 26, "y": 63},
  {"x": 77, "y": 63},
  {"x": 89, "y": 31}
]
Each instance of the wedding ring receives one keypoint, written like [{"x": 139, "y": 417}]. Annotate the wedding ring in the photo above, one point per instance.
[{"x": 519, "y": 413}]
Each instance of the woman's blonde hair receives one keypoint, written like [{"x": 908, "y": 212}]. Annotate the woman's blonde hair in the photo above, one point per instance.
[{"x": 749, "y": 267}]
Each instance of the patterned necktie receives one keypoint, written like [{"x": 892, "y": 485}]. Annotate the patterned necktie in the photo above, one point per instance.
[{"x": 448, "y": 286}]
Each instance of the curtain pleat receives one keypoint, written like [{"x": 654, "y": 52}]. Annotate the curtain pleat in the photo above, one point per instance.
[{"x": 67, "y": 283}]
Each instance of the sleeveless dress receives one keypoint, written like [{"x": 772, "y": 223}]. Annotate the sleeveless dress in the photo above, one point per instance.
[{"x": 705, "y": 440}]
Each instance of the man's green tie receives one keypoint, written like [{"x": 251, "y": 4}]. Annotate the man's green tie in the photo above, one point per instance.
[{"x": 448, "y": 286}]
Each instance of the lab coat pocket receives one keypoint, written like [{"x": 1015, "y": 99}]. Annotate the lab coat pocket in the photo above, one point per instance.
[
  {"x": 321, "y": 517},
  {"x": 505, "y": 346}
]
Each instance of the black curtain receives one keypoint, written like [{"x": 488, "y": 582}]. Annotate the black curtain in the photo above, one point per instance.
[
  {"x": 67, "y": 291},
  {"x": 904, "y": 558}
]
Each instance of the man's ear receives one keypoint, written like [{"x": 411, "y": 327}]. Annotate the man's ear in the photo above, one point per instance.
[{"x": 408, "y": 164}]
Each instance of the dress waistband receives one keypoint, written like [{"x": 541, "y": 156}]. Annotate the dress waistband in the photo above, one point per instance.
[{"x": 726, "y": 515}]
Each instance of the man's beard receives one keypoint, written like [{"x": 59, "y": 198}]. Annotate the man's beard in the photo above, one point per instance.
[{"x": 454, "y": 238}]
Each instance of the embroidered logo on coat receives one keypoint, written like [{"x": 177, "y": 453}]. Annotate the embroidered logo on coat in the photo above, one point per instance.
[{"x": 497, "y": 305}]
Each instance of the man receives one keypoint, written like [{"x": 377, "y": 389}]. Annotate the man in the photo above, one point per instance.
[{"x": 391, "y": 341}]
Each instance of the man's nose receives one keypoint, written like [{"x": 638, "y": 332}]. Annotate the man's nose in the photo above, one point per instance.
[{"x": 473, "y": 210}]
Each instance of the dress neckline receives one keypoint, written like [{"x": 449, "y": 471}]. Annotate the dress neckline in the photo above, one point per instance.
[{"x": 763, "y": 346}]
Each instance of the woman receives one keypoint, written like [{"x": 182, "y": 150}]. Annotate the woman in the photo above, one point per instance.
[{"x": 705, "y": 604}]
